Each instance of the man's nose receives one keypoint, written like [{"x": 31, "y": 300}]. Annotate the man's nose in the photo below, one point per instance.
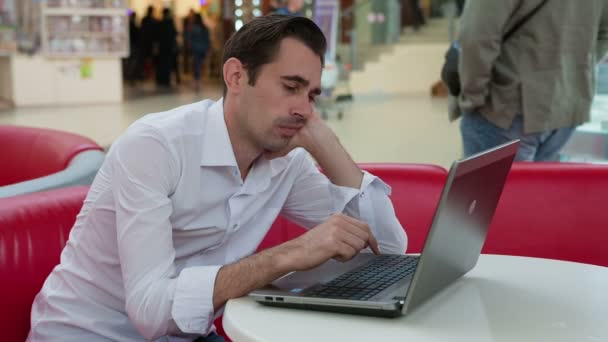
[{"x": 303, "y": 107}]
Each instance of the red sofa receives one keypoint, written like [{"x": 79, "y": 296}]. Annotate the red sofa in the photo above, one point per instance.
[
  {"x": 547, "y": 210},
  {"x": 35, "y": 227},
  {"x": 33, "y": 231},
  {"x": 37, "y": 159},
  {"x": 553, "y": 211}
]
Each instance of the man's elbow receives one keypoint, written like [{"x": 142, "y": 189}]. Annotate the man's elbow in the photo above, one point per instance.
[
  {"x": 402, "y": 241},
  {"x": 396, "y": 244},
  {"x": 149, "y": 326}
]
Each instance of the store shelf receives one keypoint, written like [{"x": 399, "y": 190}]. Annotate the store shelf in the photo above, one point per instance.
[
  {"x": 85, "y": 11},
  {"x": 83, "y": 55},
  {"x": 84, "y": 32}
]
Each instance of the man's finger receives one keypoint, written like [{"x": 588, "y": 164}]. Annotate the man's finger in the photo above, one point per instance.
[
  {"x": 373, "y": 244},
  {"x": 371, "y": 240},
  {"x": 354, "y": 221}
]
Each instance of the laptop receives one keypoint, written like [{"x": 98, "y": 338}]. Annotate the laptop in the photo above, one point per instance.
[{"x": 392, "y": 285}]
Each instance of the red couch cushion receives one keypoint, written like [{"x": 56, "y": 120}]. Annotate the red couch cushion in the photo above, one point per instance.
[
  {"x": 416, "y": 191},
  {"x": 33, "y": 231},
  {"x": 555, "y": 211},
  {"x": 29, "y": 153}
]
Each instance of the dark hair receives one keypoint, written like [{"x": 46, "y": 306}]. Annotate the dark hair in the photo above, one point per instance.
[
  {"x": 166, "y": 13},
  {"x": 257, "y": 42},
  {"x": 198, "y": 20}
]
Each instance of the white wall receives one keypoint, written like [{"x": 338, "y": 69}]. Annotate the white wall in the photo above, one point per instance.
[{"x": 41, "y": 81}]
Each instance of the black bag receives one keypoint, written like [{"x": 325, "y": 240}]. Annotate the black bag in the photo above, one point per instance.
[{"x": 449, "y": 71}]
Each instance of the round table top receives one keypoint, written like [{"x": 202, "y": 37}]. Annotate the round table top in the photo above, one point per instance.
[{"x": 504, "y": 298}]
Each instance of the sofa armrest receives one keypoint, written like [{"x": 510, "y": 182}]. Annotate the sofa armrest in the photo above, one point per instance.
[{"x": 81, "y": 171}]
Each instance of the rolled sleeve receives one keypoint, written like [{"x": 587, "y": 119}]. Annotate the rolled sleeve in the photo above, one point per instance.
[
  {"x": 371, "y": 203},
  {"x": 349, "y": 200},
  {"x": 314, "y": 198},
  {"x": 192, "y": 308}
]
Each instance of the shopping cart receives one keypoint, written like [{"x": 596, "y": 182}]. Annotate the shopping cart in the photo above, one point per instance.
[{"x": 335, "y": 89}]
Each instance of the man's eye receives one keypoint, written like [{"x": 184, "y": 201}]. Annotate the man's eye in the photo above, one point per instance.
[
  {"x": 291, "y": 89},
  {"x": 313, "y": 99}
]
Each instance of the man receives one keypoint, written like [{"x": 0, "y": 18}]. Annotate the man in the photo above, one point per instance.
[
  {"x": 169, "y": 228},
  {"x": 538, "y": 84}
]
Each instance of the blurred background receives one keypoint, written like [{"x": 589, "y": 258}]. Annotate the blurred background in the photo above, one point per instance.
[{"x": 92, "y": 67}]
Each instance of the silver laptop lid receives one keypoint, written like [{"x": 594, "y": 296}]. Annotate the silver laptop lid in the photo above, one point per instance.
[{"x": 461, "y": 221}]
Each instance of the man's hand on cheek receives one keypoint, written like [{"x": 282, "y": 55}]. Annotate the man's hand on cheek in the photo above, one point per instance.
[{"x": 311, "y": 137}]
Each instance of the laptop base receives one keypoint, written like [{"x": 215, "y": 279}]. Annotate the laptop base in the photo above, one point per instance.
[{"x": 396, "y": 312}]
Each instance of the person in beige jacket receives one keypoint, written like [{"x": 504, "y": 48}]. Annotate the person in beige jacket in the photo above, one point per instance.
[{"x": 538, "y": 84}]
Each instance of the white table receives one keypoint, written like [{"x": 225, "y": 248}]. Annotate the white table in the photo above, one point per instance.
[{"x": 502, "y": 299}]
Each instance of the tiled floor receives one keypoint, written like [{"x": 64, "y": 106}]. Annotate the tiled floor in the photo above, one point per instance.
[{"x": 374, "y": 129}]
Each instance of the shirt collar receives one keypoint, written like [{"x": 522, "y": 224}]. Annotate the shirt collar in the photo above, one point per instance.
[{"x": 217, "y": 148}]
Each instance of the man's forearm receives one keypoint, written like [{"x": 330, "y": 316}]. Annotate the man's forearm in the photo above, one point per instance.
[
  {"x": 337, "y": 164},
  {"x": 236, "y": 280}
]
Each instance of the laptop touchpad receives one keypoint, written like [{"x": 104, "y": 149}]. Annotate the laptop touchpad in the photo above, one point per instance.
[{"x": 322, "y": 274}]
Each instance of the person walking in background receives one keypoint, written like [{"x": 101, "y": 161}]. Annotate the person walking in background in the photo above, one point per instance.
[
  {"x": 186, "y": 48},
  {"x": 274, "y": 5},
  {"x": 167, "y": 49},
  {"x": 413, "y": 6},
  {"x": 148, "y": 48},
  {"x": 537, "y": 85},
  {"x": 292, "y": 8},
  {"x": 131, "y": 64},
  {"x": 198, "y": 39}
]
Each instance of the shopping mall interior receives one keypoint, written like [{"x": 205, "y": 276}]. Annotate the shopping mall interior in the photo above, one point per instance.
[
  {"x": 70, "y": 72},
  {"x": 94, "y": 67}
]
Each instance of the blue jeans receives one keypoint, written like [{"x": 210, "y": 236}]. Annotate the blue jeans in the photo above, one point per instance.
[{"x": 479, "y": 134}]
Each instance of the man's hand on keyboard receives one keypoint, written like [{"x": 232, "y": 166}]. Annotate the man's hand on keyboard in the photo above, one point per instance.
[{"x": 340, "y": 237}]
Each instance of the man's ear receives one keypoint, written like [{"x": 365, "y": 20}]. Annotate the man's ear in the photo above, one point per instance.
[{"x": 234, "y": 75}]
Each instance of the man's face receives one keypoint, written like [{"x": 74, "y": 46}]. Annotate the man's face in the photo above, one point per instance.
[{"x": 273, "y": 110}]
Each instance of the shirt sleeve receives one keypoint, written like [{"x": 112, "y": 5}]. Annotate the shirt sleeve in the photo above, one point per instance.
[
  {"x": 313, "y": 198},
  {"x": 159, "y": 301}
]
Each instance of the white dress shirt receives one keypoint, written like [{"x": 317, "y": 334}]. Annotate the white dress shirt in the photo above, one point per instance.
[{"x": 167, "y": 209}]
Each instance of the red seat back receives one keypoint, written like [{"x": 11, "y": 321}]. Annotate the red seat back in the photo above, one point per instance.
[
  {"x": 553, "y": 210},
  {"x": 29, "y": 153},
  {"x": 33, "y": 230}
]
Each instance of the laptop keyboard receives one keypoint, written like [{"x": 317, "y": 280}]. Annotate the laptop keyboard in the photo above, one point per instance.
[{"x": 364, "y": 283}]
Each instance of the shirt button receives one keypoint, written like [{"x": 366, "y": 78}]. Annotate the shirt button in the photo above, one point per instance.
[
  {"x": 361, "y": 195},
  {"x": 234, "y": 226}
]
